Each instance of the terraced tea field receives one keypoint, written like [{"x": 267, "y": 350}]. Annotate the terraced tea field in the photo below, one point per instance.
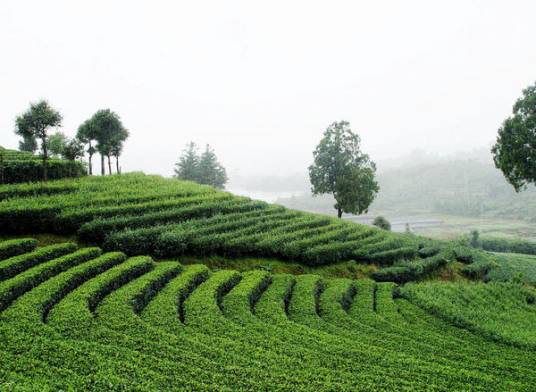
[
  {"x": 140, "y": 214},
  {"x": 83, "y": 319}
]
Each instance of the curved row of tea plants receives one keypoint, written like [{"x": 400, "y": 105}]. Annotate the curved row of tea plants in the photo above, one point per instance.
[
  {"x": 140, "y": 214},
  {"x": 83, "y": 319}
]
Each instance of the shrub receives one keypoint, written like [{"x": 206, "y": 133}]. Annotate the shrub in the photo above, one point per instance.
[{"x": 382, "y": 223}]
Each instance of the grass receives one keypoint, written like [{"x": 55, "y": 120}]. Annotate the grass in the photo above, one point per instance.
[{"x": 102, "y": 321}]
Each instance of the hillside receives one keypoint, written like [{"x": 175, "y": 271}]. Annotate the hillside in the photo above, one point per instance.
[
  {"x": 86, "y": 320},
  {"x": 17, "y": 166},
  {"x": 141, "y": 214}
]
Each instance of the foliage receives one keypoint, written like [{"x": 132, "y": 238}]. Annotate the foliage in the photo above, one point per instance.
[
  {"x": 56, "y": 144},
  {"x": 499, "y": 311},
  {"x": 96, "y": 321},
  {"x": 512, "y": 266},
  {"x": 514, "y": 152},
  {"x": 28, "y": 144},
  {"x": 203, "y": 169},
  {"x": 382, "y": 223},
  {"x": 186, "y": 167},
  {"x": 17, "y": 166},
  {"x": 210, "y": 171},
  {"x": 474, "y": 239},
  {"x": 35, "y": 123},
  {"x": 508, "y": 245},
  {"x": 73, "y": 149},
  {"x": 341, "y": 169},
  {"x": 106, "y": 128},
  {"x": 141, "y": 214}
]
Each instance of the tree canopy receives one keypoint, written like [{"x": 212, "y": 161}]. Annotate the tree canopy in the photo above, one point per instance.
[
  {"x": 203, "y": 169},
  {"x": 514, "y": 152},
  {"x": 106, "y": 130},
  {"x": 56, "y": 143},
  {"x": 340, "y": 168},
  {"x": 35, "y": 123}
]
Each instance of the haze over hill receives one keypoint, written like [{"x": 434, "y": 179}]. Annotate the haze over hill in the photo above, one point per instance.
[{"x": 435, "y": 194}]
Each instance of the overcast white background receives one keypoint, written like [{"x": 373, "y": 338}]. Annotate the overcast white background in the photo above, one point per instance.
[{"x": 260, "y": 81}]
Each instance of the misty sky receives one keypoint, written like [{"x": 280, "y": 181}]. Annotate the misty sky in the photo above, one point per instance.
[{"x": 260, "y": 81}]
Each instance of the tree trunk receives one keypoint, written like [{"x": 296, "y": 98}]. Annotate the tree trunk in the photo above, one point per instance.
[
  {"x": 117, "y": 164},
  {"x": 339, "y": 212},
  {"x": 2, "y": 166},
  {"x": 45, "y": 159},
  {"x": 90, "y": 157},
  {"x": 109, "y": 165},
  {"x": 90, "y": 165},
  {"x": 102, "y": 171}
]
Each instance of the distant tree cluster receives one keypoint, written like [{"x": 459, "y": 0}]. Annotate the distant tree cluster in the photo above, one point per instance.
[
  {"x": 103, "y": 133},
  {"x": 514, "y": 153},
  {"x": 202, "y": 168}
]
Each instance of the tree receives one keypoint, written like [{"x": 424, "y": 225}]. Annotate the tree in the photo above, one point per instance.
[
  {"x": 108, "y": 129},
  {"x": 28, "y": 144},
  {"x": 210, "y": 171},
  {"x": 474, "y": 239},
  {"x": 56, "y": 143},
  {"x": 340, "y": 168},
  {"x": 73, "y": 149},
  {"x": 87, "y": 134},
  {"x": 382, "y": 223},
  {"x": 116, "y": 142},
  {"x": 514, "y": 153},
  {"x": 187, "y": 167},
  {"x": 36, "y": 122}
]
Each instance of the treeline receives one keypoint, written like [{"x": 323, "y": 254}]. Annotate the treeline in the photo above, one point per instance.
[{"x": 103, "y": 133}]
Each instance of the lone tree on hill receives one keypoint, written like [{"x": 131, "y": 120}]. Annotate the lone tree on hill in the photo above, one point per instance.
[
  {"x": 514, "y": 153},
  {"x": 35, "y": 123},
  {"x": 204, "y": 169},
  {"x": 340, "y": 168}
]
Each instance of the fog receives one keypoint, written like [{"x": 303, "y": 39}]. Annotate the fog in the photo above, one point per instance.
[{"x": 260, "y": 81}]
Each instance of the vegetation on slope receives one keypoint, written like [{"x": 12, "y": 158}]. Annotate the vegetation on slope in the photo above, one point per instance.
[
  {"x": 88, "y": 320},
  {"x": 502, "y": 311},
  {"x": 17, "y": 166},
  {"x": 141, "y": 214}
]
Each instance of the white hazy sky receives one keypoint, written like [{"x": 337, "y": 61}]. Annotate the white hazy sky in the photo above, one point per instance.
[{"x": 260, "y": 81}]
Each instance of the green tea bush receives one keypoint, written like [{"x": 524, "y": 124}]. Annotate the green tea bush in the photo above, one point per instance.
[
  {"x": 507, "y": 245},
  {"x": 16, "y": 167}
]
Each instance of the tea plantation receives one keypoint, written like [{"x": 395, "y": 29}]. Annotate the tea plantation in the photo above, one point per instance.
[
  {"x": 140, "y": 215},
  {"x": 102, "y": 314},
  {"x": 75, "y": 319}
]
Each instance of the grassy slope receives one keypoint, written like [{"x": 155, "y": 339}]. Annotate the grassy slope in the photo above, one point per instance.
[{"x": 95, "y": 321}]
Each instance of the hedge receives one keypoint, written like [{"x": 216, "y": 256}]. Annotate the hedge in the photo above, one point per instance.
[{"x": 12, "y": 172}]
